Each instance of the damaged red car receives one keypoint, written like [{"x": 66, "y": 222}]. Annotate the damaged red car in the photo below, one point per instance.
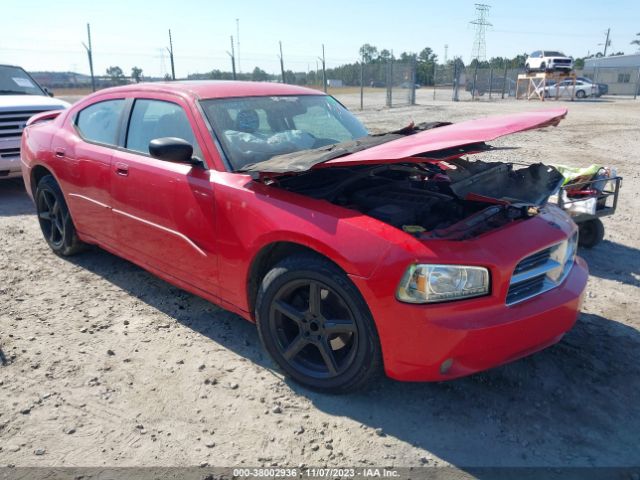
[{"x": 353, "y": 253}]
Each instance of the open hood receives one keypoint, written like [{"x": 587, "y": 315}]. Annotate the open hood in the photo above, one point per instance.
[{"x": 436, "y": 141}]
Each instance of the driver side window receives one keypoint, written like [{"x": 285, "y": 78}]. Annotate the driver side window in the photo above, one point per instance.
[{"x": 151, "y": 119}]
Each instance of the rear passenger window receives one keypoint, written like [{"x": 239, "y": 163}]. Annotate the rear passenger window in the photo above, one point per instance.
[
  {"x": 151, "y": 119},
  {"x": 99, "y": 122}
]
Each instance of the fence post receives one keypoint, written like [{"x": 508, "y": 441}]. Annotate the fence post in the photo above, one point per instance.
[
  {"x": 361, "y": 85},
  {"x": 455, "y": 82},
  {"x": 504, "y": 81},
  {"x": 412, "y": 92},
  {"x": 388, "y": 81},
  {"x": 635, "y": 93},
  {"x": 435, "y": 70},
  {"x": 475, "y": 79},
  {"x": 490, "y": 81}
]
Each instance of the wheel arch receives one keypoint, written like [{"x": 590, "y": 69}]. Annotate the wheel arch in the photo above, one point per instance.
[
  {"x": 267, "y": 257},
  {"x": 37, "y": 173}
]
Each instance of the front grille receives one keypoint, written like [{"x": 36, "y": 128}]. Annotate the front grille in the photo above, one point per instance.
[
  {"x": 12, "y": 123},
  {"x": 9, "y": 152},
  {"x": 562, "y": 61},
  {"x": 533, "y": 261},
  {"x": 541, "y": 271}
]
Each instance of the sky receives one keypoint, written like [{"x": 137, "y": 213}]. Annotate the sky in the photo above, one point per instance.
[{"x": 48, "y": 35}]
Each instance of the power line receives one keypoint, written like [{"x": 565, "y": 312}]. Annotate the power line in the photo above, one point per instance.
[{"x": 479, "y": 51}]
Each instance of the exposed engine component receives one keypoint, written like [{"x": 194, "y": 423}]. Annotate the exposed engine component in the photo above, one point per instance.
[{"x": 456, "y": 200}]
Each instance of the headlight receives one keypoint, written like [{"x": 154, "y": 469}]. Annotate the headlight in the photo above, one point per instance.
[
  {"x": 564, "y": 255},
  {"x": 423, "y": 283}
]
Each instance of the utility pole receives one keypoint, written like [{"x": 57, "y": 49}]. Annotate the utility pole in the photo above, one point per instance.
[
  {"x": 170, "y": 50},
  {"x": 479, "y": 51},
  {"x": 238, "y": 43},
  {"x": 233, "y": 59},
  {"x": 89, "y": 50},
  {"x": 607, "y": 42},
  {"x": 282, "y": 64},
  {"x": 324, "y": 71}
]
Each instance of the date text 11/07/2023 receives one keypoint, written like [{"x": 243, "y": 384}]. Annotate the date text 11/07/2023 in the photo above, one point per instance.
[{"x": 311, "y": 472}]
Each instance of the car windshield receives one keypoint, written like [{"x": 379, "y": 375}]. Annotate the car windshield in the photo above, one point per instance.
[
  {"x": 254, "y": 129},
  {"x": 548, "y": 53},
  {"x": 15, "y": 81}
]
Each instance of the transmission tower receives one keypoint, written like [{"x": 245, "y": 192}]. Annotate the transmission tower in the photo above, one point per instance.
[{"x": 479, "y": 51}]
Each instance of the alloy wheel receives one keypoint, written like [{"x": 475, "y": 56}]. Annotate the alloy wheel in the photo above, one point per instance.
[
  {"x": 52, "y": 217},
  {"x": 314, "y": 328}
]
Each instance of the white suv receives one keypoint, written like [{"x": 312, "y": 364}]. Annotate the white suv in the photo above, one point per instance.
[
  {"x": 20, "y": 98},
  {"x": 547, "y": 61}
]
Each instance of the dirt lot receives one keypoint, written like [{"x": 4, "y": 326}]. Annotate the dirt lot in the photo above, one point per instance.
[{"x": 104, "y": 364}]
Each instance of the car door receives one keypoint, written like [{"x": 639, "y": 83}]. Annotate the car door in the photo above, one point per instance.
[
  {"x": 164, "y": 211},
  {"x": 85, "y": 152}
]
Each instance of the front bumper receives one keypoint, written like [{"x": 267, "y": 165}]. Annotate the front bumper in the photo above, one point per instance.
[
  {"x": 560, "y": 66},
  {"x": 10, "y": 166},
  {"x": 475, "y": 335}
]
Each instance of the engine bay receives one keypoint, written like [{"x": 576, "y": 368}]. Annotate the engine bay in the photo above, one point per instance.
[{"x": 455, "y": 199}]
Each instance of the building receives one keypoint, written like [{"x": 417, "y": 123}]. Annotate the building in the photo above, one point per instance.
[{"x": 621, "y": 73}]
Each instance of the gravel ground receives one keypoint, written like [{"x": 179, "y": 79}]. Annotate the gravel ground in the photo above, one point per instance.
[{"x": 104, "y": 364}]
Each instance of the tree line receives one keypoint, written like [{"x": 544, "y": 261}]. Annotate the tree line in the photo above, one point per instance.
[{"x": 376, "y": 67}]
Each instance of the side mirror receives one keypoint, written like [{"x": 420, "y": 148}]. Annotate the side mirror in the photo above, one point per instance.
[{"x": 173, "y": 149}]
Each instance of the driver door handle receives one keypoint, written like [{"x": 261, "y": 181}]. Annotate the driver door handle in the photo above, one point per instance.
[
  {"x": 122, "y": 169},
  {"x": 59, "y": 152}
]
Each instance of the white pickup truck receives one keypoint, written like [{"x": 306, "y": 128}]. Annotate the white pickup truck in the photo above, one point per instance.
[{"x": 20, "y": 98}]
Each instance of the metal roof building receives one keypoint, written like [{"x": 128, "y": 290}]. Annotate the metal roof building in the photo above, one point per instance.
[{"x": 621, "y": 73}]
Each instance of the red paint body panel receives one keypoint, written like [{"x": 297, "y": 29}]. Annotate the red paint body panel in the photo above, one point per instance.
[
  {"x": 451, "y": 136},
  {"x": 201, "y": 229}
]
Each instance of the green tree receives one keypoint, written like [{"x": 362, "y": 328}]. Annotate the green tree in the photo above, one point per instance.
[
  {"x": 116, "y": 75},
  {"x": 385, "y": 56},
  {"x": 368, "y": 53},
  {"x": 136, "y": 74},
  {"x": 636, "y": 41},
  {"x": 427, "y": 55},
  {"x": 259, "y": 75},
  {"x": 426, "y": 64}
]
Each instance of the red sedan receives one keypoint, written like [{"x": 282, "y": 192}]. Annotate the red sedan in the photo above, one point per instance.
[{"x": 352, "y": 252}]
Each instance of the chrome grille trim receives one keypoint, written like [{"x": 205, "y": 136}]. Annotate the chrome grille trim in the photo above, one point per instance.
[
  {"x": 532, "y": 276},
  {"x": 12, "y": 122}
]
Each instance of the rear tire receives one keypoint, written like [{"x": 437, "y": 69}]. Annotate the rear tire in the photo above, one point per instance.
[
  {"x": 55, "y": 220},
  {"x": 316, "y": 326},
  {"x": 591, "y": 233},
  {"x": 581, "y": 94}
]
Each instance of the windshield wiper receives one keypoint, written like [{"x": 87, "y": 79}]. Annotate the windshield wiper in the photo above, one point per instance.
[{"x": 14, "y": 92}]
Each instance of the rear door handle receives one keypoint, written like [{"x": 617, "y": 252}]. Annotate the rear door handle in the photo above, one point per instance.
[
  {"x": 59, "y": 152},
  {"x": 122, "y": 169}
]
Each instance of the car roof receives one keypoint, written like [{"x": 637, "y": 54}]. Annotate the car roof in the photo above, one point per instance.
[{"x": 202, "y": 89}]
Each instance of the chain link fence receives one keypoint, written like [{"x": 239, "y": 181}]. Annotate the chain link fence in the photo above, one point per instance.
[{"x": 619, "y": 80}]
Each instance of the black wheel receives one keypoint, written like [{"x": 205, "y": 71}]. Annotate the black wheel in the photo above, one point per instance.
[
  {"x": 316, "y": 326},
  {"x": 543, "y": 67},
  {"x": 581, "y": 94},
  {"x": 591, "y": 233},
  {"x": 55, "y": 220}
]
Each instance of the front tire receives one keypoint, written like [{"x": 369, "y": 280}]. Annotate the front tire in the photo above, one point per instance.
[
  {"x": 316, "y": 326},
  {"x": 54, "y": 218}
]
